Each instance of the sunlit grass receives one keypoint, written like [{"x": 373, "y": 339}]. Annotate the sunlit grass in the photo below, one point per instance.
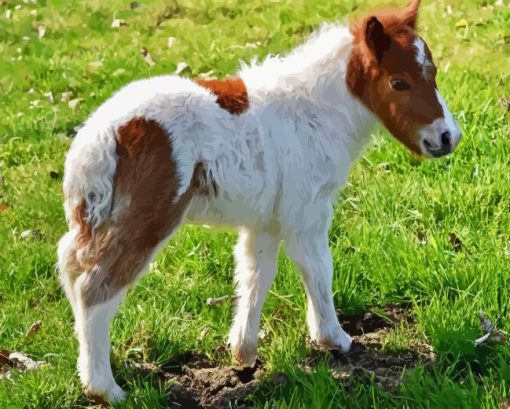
[{"x": 391, "y": 238}]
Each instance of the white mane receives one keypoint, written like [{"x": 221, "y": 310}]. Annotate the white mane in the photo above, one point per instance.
[
  {"x": 311, "y": 78},
  {"x": 328, "y": 45}
]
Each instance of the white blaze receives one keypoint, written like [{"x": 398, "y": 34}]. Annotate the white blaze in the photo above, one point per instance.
[
  {"x": 450, "y": 123},
  {"x": 421, "y": 56},
  {"x": 431, "y": 133}
]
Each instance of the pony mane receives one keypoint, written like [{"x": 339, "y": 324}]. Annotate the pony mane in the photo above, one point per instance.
[{"x": 331, "y": 42}]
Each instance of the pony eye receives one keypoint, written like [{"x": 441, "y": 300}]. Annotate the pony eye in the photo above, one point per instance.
[{"x": 399, "y": 85}]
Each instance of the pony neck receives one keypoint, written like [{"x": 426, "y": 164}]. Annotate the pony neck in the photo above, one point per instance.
[{"x": 313, "y": 77}]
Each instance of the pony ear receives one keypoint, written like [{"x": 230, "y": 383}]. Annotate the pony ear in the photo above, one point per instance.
[
  {"x": 410, "y": 14},
  {"x": 376, "y": 38}
]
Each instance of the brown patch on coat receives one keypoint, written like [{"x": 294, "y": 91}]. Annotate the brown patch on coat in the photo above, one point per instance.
[
  {"x": 231, "y": 94},
  {"x": 80, "y": 218},
  {"x": 145, "y": 211},
  {"x": 384, "y": 49}
]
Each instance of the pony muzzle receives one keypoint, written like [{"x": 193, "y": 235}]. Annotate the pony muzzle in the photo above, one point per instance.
[{"x": 439, "y": 138}]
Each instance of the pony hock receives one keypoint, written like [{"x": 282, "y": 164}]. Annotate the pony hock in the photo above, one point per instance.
[{"x": 265, "y": 151}]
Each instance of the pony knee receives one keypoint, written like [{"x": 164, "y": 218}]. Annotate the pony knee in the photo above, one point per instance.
[
  {"x": 93, "y": 287},
  {"x": 68, "y": 263},
  {"x": 68, "y": 266}
]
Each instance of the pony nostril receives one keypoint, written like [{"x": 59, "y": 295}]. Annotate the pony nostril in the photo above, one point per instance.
[{"x": 445, "y": 139}]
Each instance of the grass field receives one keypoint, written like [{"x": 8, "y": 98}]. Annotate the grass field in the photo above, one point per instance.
[{"x": 431, "y": 236}]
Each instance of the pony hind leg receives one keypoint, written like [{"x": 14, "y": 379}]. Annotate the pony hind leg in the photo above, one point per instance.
[
  {"x": 93, "y": 323},
  {"x": 92, "y": 316},
  {"x": 99, "y": 292},
  {"x": 146, "y": 211}
]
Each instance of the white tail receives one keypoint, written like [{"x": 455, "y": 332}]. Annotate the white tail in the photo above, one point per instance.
[{"x": 89, "y": 171}]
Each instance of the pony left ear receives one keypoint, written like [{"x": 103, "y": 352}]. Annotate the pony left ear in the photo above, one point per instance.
[
  {"x": 376, "y": 38},
  {"x": 410, "y": 14}
]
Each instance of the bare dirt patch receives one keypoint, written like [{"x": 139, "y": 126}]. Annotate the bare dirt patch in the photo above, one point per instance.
[
  {"x": 197, "y": 382},
  {"x": 366, "y": 358},
  {"x": 374, "y": 320}
]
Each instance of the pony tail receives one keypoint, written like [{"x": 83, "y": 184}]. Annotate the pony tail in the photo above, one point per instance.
[{"x": 89, "y": 176}]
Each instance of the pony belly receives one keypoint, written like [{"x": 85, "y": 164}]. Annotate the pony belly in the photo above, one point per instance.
[{"x": 224, "y": 211}]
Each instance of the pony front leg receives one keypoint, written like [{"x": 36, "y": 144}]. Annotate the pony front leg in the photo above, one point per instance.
[
  {"x": 310, "y": 251},
  {"x": 255, "y": 255}
]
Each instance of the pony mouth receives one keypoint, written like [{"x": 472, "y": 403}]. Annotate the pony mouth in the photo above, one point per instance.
[{"x": 436, "y": 152}]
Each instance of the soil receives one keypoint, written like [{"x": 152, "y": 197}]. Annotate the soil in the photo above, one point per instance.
[
  {"x": 196, "y": 382},
  {"x": 366, "y": 360},
  {"x": 203, "y": 385}
]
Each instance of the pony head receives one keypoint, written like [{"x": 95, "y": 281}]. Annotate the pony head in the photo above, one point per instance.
[{"x": 392, "y": 72}]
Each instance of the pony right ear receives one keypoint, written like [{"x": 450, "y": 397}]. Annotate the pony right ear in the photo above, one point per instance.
[
  {"x": 376, "y": 39},
  {"x": 410, "y": 14}
]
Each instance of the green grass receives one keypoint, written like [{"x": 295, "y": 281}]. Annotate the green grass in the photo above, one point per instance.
[{"x": 391, "y": 203}]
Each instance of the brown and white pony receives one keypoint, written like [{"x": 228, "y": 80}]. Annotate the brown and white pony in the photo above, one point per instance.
[{"x": 265, "y": 151}]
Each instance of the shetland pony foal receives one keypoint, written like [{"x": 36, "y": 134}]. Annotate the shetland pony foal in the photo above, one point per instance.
[{"x": 265, "y": 151}]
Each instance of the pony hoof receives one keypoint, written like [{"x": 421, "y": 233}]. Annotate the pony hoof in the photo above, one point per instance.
[
  {"x": 116, "y": 394},
  {"x": 340, "y": 341},
  {"x": 245, "y": 356},
  {"x": 111, "y": 395}
]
